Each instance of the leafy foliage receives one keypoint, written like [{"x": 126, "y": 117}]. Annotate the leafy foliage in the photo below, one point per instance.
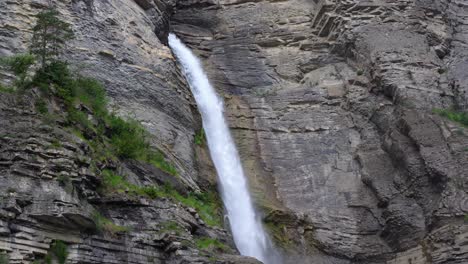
[
  {"x": 20, "y": 65},
  {"x": 459, "y": 117},
  {"x": 57, "y": 73},
  {"x": 85, "y": 96},
  {"x": 50, "y": 35},
  {"x": 128, "y": 137}
]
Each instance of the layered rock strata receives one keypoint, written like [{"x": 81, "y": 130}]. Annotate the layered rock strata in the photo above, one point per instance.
[{"x": 331, "y": 103}]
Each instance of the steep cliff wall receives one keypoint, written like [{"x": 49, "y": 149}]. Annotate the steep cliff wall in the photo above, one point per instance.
[
  {"x": 331, "y": 105},
  {"x": 49, "y": 184}
]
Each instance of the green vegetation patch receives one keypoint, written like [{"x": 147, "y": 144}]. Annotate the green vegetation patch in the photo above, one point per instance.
[
  {"x": 210, "y": 244},
  {"x": 60, "y": 251},
  {"x": 105, "y": 225},
  {"x": 200, "y": 138},
  {"x": 4, "y": 258},
  {"x": 456, "y": 116},
  {"x": 6, "y": 89},
  {"x": 19, "y": 65},
  {"x": 41, "y": 106},
  {"x": 84, "y": 99},
  {"x": 278, "y": 233},
  {"x": 171, "y": 226},
  {"x": 207, "y": 204}
]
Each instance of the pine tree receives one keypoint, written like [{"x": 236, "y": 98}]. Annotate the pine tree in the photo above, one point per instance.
[{"x": 50, "y": 35}]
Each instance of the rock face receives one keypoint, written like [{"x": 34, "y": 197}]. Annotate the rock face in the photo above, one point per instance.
[
  {"x": 331, "y": 106},
  {"x": 330, "y": 103},
  {"x": 48, "y": 187}
]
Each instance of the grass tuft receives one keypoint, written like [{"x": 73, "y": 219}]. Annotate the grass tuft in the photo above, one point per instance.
[
  {"x": 210, "y": 244},
  {"x": 105, "y": 225},
  {"x": 200, "y": 138},
  {"x": 459, "y": 117},
  {"x": 207, "y": 204},
  {"x": 6, "y": 89}
]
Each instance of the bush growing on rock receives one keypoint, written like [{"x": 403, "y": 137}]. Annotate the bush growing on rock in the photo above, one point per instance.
[
  {"x": 19, "y": 65},
  {"x": 60, "y": 251}
]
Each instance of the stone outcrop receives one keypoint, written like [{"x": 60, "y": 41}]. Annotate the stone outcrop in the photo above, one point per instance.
[{"x": 331, "y": 105}]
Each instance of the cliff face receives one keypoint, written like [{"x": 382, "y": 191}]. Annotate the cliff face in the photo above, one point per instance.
[
  {"x": 49, "y": 190},
  {"x": 331, "y": 104}
]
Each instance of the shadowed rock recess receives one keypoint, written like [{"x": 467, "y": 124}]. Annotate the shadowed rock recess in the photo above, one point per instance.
[{"x": 331, "y": 104}]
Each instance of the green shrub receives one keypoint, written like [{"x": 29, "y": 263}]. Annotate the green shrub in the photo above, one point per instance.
[
  {"x": 91, "y": 93},
  {"x": 57, "y": 73},
  {"x": 19, "y": 64},
  {"x": 459, "y": 117},
  {"x": 210, "y": 244},
  {"x": 127, "y": 137},
  {"x": 200, "y": 138},
  {"x": 59, "y": 249},
  {"x": 129, "y": 140},
  {"x": 80, "y": 119}
]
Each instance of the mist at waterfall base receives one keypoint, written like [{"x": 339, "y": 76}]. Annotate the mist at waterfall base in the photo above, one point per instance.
[{"x": 247, "y": 229}]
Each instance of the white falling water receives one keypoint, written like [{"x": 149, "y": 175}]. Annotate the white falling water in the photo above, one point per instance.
[{"x": 249, "y": 236}]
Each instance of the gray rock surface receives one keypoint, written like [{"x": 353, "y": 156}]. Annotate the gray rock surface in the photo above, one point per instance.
[
  {"x": 48, "y": 190},
  {"x": 331, "y": 105}
]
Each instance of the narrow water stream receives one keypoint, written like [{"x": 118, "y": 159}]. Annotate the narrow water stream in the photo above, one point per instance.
[{"x": 247, "y": 229}]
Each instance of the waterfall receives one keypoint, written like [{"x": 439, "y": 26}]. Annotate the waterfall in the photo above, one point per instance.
[{"x": 247, "y": 229}]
